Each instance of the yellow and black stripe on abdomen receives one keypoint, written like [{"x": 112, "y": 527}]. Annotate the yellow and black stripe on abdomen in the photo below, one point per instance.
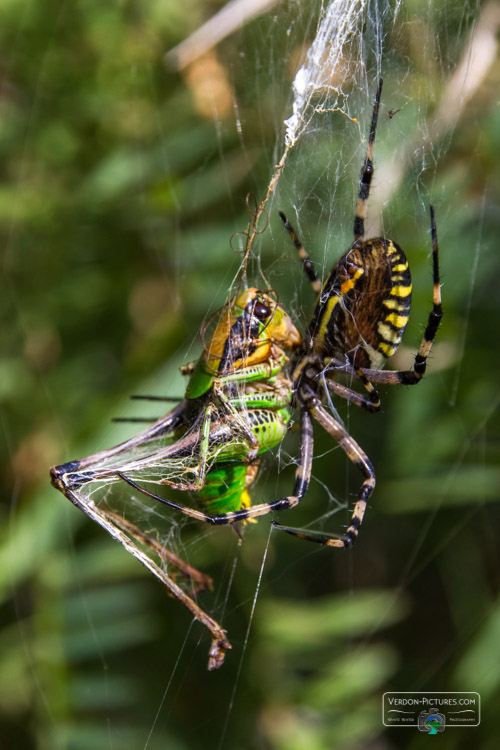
[
  {"x": 395, "y": 306},
  {"x": 364, "y": 304}
]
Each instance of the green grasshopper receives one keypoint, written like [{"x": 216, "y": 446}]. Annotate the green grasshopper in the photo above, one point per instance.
[{"x": 236, "y": 407}]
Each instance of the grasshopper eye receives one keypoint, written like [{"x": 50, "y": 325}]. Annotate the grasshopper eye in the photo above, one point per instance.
[{"x": 261, "y": 311}]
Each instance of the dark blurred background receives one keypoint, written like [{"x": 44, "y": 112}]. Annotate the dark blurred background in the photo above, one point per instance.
[{"x": 122, "y": 182}]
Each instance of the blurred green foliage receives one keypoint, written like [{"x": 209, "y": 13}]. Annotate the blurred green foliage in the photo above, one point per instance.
[{"x": 120, "y": 190}]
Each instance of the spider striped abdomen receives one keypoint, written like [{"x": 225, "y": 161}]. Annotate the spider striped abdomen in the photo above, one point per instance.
[{"x": 364, "y": 305}]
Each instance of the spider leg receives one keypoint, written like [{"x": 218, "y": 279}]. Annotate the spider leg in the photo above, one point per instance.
[
  {"x": 302, "y": 478},
  {"x": 353, "y": 397},
  {"x": 366, "y": 172},
  {"x": 359, "y": 458},
  {"x": 370, "y": 403},
  {"x": 307, "y": 263},
  {"x": 373, "y": 399}
]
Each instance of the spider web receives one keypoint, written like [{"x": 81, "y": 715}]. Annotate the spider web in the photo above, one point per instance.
[{"x": 290, "y": 94}]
